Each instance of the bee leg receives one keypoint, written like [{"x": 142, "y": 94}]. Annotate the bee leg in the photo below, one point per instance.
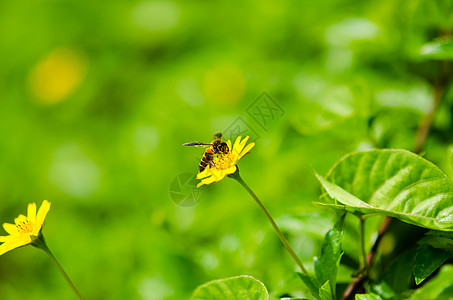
[{"x": 212, "y": 163}]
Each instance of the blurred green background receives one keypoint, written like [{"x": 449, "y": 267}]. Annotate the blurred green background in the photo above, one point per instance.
[{"x": 96, "y": 100}]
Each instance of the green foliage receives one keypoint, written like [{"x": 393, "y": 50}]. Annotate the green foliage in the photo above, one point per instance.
[
  {"x": 439, "y": 287},
  {"x": 395, "y": 183},
  {"x": 326, "y": 265},
  {"x": 440, "y": 240},
  {"x": 427, "y": 260},
  {"x": 96, "y": 100},
  {"x": 312, "y": 283},
  {"x": 367, "y": 297},
  {"x": 241, "y": 288},
  {"x": 398, "y": 278},
  {"x": 440, "y": 49},
  {"x": 325, "y": 291},
  {"x": 323, "y": 284}
]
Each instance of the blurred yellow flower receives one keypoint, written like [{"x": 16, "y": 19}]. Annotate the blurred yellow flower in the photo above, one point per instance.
[
  {"x": 225, "y": 164},
  {"x": 57, "y": 75},
  {"x": 27, "y": 228}
]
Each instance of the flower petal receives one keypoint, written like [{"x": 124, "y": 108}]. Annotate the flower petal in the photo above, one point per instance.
[
  {"x": 209, "y": 180},
  {"x": 236, "y": 145},
  {"x": 205, "y": 173},
  {"x": 229, "y": 145},
  {"x": 42, "y": 212},
  {"x": 230, "y": 170},
  {"x": 13, "y": 244},
  {"x": 20, "y": 219},
  {"x": 243, "y": 142},
  {"x": 246, "y": 150},
  {"x": 4, "y": 239},
  {"x": 11, "y": 229},
  {"x": 218, "y": 175},
  {"x": 31, "y": 212},
  {"x": 200, "y": 184}
]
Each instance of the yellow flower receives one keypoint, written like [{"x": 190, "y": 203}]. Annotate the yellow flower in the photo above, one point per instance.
[
  {"x": 27, "y": 228},
  {"x": 225, "y": 164}
]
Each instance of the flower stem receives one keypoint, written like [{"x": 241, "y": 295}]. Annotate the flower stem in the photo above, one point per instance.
[
  {"x": 54, "y": 259},
  {"x": 362, "y": 245},
  {"x": 239, "y": 179}
]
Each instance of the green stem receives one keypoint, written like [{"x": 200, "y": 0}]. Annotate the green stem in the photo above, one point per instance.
[
  {"x": 54, "y": 259},
  {"x": 239, "y": 179},
  {"x": 362, "y": 245}
]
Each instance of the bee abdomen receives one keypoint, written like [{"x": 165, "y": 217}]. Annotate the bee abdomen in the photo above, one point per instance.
[{"x": 205, "y": 160}]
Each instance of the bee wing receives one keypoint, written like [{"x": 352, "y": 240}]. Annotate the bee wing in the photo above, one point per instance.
[{"x": 197, "y": 144}]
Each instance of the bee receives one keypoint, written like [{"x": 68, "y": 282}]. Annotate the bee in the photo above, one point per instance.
[{"x": 216, "y": 147}]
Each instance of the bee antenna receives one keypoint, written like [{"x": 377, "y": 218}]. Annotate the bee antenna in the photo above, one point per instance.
[{"x": 218, "y": 135}]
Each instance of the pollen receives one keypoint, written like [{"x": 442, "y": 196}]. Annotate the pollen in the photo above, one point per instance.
[
  {"x": 25, "y": 226},
  {"x": 222, "y": 162}
]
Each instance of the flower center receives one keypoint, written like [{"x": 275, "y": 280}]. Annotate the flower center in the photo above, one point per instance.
[
  {"x": 25, "y": 226},
  {"x": 222, "y": 162}
]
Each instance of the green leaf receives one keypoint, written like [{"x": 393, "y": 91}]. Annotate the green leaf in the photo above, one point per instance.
[
  {"x": 325, "y": 293},
  {"x": 311, "y": 283},
  {"x": 383, "y": 289},
  {"x": 326, "y": 266},
  {"x": 367, "y": 297},
  {"x": 399, "y": 275},
  {"x": 342, "y": 195},
  {"x": 440, "y": 287},
  {"x": 441, "y": 49},
  {"x": 241, "y": 288},
  {"x": 427, "y": 260},
  {"x": 440, "y": 240},
  {"x": 394, "y": 183}
]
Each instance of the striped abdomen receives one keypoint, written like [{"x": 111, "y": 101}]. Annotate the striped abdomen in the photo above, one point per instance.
[{"x": 205, "y": 160}]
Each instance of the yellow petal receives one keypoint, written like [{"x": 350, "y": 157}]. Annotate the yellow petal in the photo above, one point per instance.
[
  {"x": 4, "y": 239},
  {"x": 246, "y": 149},
  {"x": 236, "y": 144},
  {"x": 11, "y": 229},
  {"x": 223, "y": 173},
  {"x": 209, "y": 180},
  {"x": 242, "y": 143},
  {"x": 31, "y": 212},
  {"x": 13, "y": 244},
  {"x": 230, "y": 170},
  {"x": 42, "y": 212},
  {"x": 20, "y": 219},
  {"x": 238, "y": 148},
  {"x": 205, "y": 173},
  {"x": 217, "y": 174},
  {"x": 229, "y": 145}
]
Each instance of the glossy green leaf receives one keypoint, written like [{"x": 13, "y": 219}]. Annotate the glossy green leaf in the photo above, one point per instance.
[
  {"x": 241, "y": 288},
  {"x": 440, "y": 240},
  {"x": 427, "y": 260},
  {"x": 326, "y": 266},
  {"x": 325, "y": 293},
  {"x": 441, "y": 49},
  {"x": 367, "y": 297},
  {"x": 440, "y": 287},
  {"x": 311, "y": 283},
  {"x": 383, "y": 290},
  {"x": 395, "y": 183}
]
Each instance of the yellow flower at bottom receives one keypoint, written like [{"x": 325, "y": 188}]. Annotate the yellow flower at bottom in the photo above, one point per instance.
[
  {"x": 26, "y": 228},
  {"x": 225, "y": 164}
]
